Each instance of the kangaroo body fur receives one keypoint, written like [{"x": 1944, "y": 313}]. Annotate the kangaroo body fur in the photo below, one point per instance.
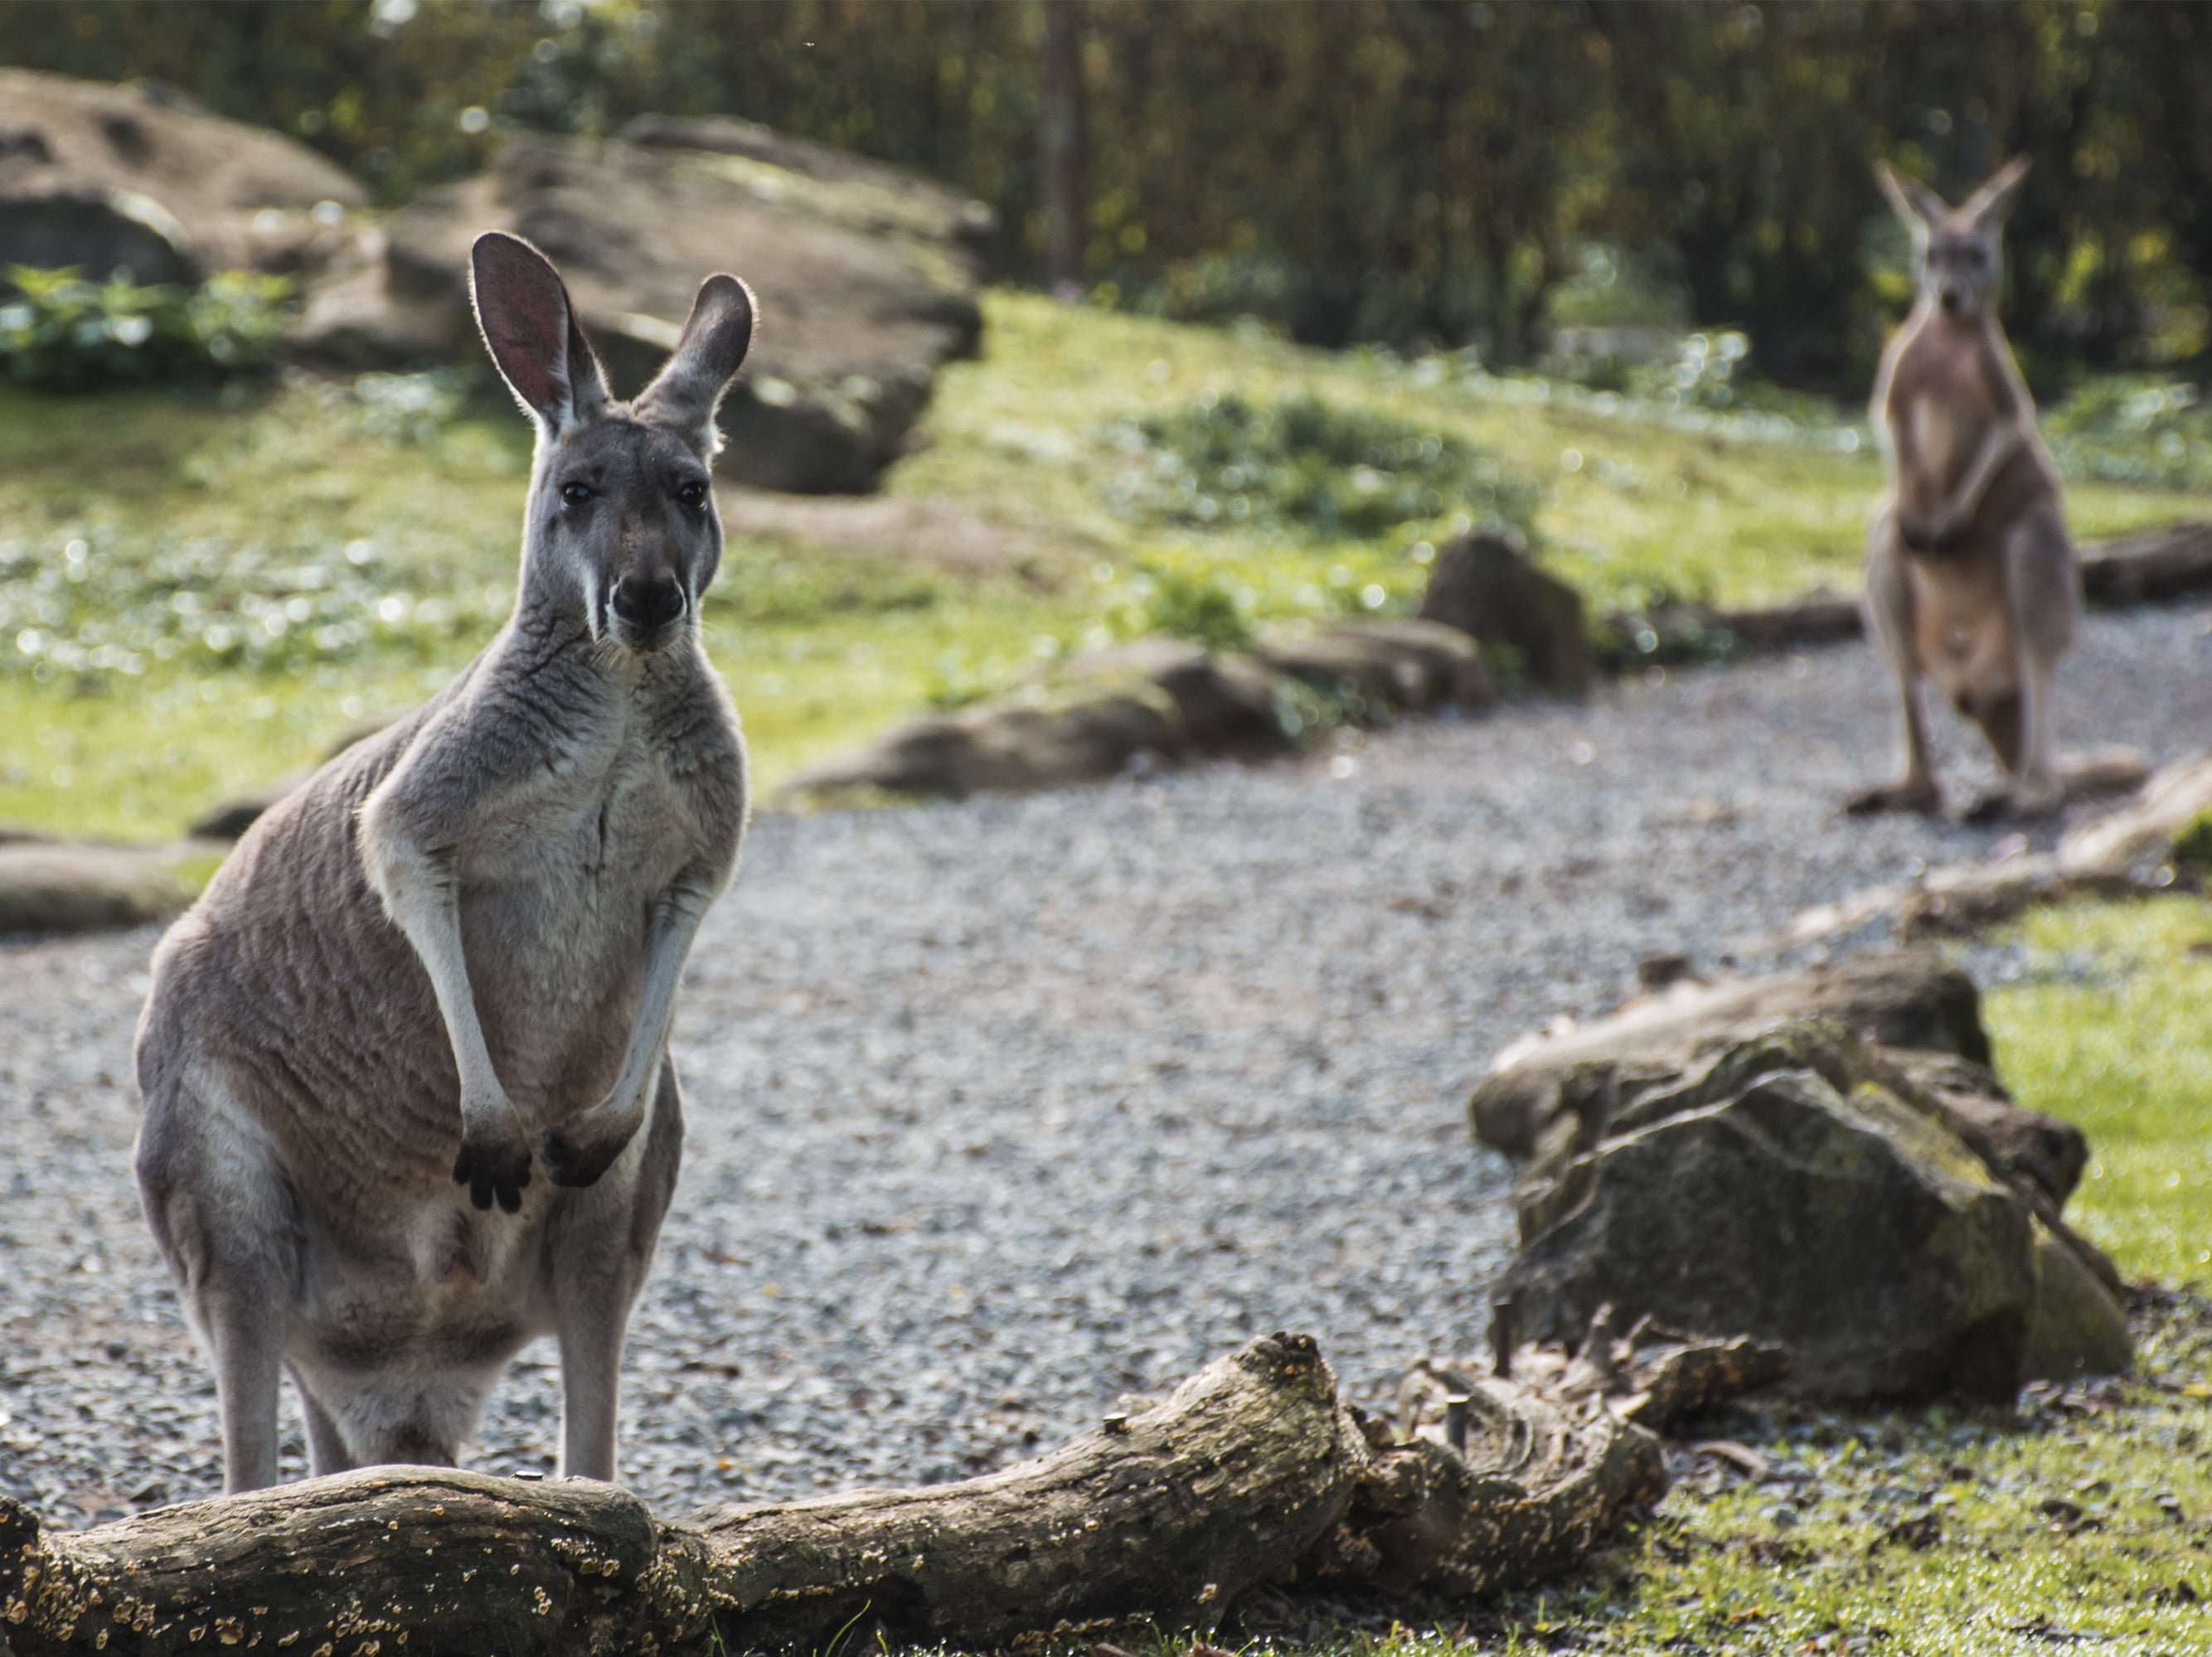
[
  {"x": 1971, "y": 581},
  {"x": 454, "y": 953}
]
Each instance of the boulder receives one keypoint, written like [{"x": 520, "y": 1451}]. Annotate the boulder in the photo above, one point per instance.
[
  {"x": 1907, "y": 998},
  {"x": 1224, "y": 705},
  {"x": 866, "y": 279},
  {"x": 1797, "y": 1188},
  {"x": 54, "y": 886},
  {"x": 1378, "y": 668},
  {"x": 1007, "y": 747},
  {"x": 139, "y": 179},
  {"x": 1486, "y": 585}
]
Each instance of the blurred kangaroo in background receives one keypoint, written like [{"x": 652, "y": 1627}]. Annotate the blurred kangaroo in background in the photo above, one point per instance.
[
  {"x": 1971, "y": 578},
  {"x": 455, "y": 951}
]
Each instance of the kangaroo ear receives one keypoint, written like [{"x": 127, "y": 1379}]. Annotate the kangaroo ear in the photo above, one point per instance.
[
  {"x": 1911, "y": 200},
  {"x": 689, "y": 389},
  {"x": 530, "y": 328},
  {"x": 1992, "y": 204}
]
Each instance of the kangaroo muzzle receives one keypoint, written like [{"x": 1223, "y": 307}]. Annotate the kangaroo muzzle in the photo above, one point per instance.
[{"x": 647, "y": 608}]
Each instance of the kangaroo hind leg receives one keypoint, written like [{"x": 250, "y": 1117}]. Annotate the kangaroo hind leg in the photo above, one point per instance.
[
  {"x": 222, "y": 1214},
  {"x": 600, "y": 1257},
  {"x": 2043, "y": 591},
  {"x": 1890, "y": 609}
]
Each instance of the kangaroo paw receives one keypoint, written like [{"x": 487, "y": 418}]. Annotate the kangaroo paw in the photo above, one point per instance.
[
  {"x": 493, "y": 1168},
  {"x": 576, "y": 1157}
]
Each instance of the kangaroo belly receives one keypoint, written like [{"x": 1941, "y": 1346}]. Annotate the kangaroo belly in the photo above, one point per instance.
[{"x": 1963, "y": 629}]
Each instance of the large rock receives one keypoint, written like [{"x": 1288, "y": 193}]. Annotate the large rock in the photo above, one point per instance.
[
  {"x": 1486, "y": 585},
  {"x": 139, "y": 178},
  {"x": 1007, "y": 747},
  {"x": 866, "y": 279},
  {"x": 1378, "y": 668},
  {"x": 59, "y": 887},
  {"x": 1797, "y": 1188},
  {"x": 1908, "y": 998}
]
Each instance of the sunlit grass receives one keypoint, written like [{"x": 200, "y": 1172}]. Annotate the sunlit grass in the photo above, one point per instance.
[
  {"x": 2109, "y": 1029},
  {"x": 394, "y": 539}
]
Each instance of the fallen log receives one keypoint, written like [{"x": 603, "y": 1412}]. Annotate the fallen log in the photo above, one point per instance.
[{"x": 1253, "y": 1471}]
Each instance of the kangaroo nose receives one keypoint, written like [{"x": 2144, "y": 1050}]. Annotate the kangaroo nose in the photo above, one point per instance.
[{"x": 647, "y": 605}]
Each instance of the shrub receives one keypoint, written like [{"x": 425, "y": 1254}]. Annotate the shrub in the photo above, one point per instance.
[
  {"x": 64, "y": 333},
  {"x": 1304, "y": 464}
]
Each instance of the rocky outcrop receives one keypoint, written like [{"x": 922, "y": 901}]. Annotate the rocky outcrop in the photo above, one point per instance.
[
  {"x": 58, "y": 886},
  {"x": 865, "y": 278},
  {"x": 1911, "y": 999},
  {"x": 1797, "y": 1189},
  {"x": 1165, "y": 701},
  {"x": 139, "y": 179},
  {"x": 1486, "y": 585},
  {"x": 1824, "y": 1162}
]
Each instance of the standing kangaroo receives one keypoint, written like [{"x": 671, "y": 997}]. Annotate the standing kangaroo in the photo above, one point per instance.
[
  {"x": 456, "y": 949},
  {"x": 1971, "y": 578}
]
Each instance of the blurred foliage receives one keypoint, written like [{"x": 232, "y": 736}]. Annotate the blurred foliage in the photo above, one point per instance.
[
  {"x": 1208, "y": 607},
  {"x": 1308, "y": 465},
  {"x": 2133, "y": 429},
  {"x": 1397, "y": 170},
  {"x": 62, "y": 333}
]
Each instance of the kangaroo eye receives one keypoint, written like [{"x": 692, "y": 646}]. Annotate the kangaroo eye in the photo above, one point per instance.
[
  {"x": 691, "y": 494},
  {"x": 577, "y": 494}
]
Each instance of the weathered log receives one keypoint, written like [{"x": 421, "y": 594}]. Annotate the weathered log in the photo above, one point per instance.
[{"x": 1253, "y": 1470}]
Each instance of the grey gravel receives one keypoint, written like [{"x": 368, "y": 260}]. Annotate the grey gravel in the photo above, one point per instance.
[{"x": 1002, "y": 1111}]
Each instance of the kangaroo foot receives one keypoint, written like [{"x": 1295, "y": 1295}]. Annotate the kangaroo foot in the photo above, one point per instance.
[
  {"x": 1922, "y": 798},
  {"x": 2016, "y": 804}
]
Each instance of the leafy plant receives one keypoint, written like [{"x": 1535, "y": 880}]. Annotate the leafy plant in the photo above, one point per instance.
[
  {"x": 1304, "y": 464},
  {"x": 64, "y": 333}
]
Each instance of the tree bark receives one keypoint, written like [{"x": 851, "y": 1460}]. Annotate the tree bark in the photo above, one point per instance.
[
  {"x": 1253, "y": 1470},
  {"x": 1065, "y": 187}
]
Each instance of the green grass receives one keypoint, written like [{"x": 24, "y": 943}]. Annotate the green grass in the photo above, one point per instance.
[{"x": 257, "y": 570}]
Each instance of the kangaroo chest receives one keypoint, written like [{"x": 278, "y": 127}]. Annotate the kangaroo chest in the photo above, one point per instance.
[
  {"x": 557, "y": 899},
  {"x": 1945, "y": 405}
]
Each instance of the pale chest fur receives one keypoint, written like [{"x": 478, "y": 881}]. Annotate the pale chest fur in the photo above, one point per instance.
[
  {"x": 558, "y": 898},
  {"x": 1941, "y": 407}
]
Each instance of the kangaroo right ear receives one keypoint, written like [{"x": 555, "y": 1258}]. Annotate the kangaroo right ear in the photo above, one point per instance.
[
  {"x": 689, "y": 389},
  {"x": 530, "y": 328},
  {"x": 1911, "y": 200}
]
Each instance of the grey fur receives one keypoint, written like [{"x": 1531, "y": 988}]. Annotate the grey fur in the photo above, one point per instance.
[{"x": 451, "y": 957}]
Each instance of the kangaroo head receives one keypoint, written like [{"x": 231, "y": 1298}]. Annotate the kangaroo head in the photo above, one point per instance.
[
  {"x": 1955, "y": 249},
  {"x": 620, "y": 526}
]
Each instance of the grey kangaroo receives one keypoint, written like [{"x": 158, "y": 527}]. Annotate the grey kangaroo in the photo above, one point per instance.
[
  {"x": 452, "y": 955},
  {"x": 1971, "y": 580}
]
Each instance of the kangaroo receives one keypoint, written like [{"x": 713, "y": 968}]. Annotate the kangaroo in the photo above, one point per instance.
[
  {"x": 1971, "y": 580},
  {"x": 454, "y": 952}
]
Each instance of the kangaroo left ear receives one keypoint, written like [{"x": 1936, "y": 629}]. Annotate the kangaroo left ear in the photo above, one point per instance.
[
  {"x": 1992, "y": 204},
  {"x": 716, "y": 340}
]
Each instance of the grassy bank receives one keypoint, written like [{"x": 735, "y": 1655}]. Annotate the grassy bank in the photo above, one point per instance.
[{"x": 196, "y": 592}]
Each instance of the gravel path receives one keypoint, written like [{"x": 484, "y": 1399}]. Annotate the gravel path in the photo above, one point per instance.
[{"x": 1000, "y": 1110}]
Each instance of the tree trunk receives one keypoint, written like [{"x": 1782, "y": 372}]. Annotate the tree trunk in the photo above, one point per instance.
[
  {"x": 1064, "y": 186},
  {"x": 1253, "y": 1471}
]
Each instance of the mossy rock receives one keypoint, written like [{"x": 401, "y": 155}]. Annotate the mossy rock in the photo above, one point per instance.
[{"x": 1800, "y": 1189}]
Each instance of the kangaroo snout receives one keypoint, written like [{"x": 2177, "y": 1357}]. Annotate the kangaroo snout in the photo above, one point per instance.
[{"x": 647, "y": 607}]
